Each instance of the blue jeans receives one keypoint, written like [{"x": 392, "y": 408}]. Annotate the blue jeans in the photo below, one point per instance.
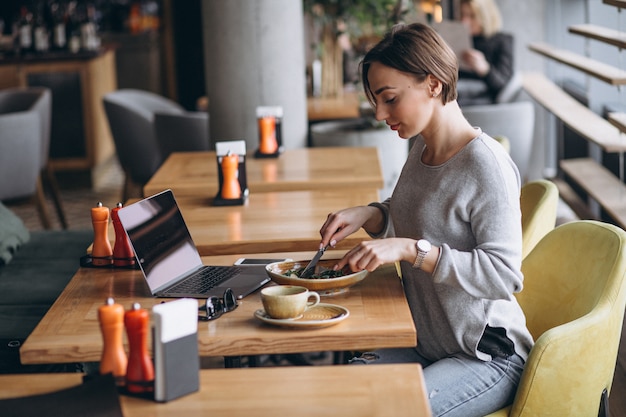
[{"x": 459, "y": 385}]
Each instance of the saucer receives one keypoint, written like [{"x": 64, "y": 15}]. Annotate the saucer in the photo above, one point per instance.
[{"x": 321, "y": 315}]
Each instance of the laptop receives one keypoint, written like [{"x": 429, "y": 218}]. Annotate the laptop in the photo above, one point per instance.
[{"x": 169, "y": 259}]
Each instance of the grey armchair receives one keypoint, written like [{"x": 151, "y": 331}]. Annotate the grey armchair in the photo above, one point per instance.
[
  {"x": 26, "y": 117},
  {"x": 515, "y": 121},
  {"x": 131, "y": 114},
  {"x": 184, "y": 132}
]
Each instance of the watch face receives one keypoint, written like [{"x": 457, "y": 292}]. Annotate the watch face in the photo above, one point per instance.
[{"x": 424, "y": 245}]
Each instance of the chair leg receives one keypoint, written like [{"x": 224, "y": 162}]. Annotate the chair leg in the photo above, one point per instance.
[
  {"x": 56, "y": 195},
  {"x": 128, "y": 186},
  {"x": 40, "y": 201},
  {"x": 604, "y": 404}
]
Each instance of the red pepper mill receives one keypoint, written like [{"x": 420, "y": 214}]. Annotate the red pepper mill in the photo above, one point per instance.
[
  {"x": 140, "y": 370},
  {"x": 113, "y": 360},
  {"x": 101, "y": 252},
  {"x": 123, "y": 254},
  {"x": 231, "y": 189}
]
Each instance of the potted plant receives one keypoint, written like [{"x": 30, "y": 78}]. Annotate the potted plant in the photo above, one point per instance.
[{"x": 338, "y": 23}]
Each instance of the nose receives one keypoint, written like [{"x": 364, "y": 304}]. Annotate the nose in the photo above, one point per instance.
[{"x": 379, "y": 113}]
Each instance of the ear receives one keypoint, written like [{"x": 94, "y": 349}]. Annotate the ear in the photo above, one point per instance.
[{"x": 434, "y": 85}]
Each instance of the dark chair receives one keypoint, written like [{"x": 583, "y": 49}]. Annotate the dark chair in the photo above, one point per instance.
[
  {"x": 185, "y": 132},
  {"x": 131, "y": 114}
]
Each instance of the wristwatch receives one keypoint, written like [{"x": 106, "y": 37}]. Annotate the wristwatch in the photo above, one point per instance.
[{"x": 423, "y": 247}]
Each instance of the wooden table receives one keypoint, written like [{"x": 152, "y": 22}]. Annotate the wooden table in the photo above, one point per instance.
[
  {"x": 324, "y": 168},
  {"x": 379, "y": 317},
  {"x": 348, "y": 391},
  {"x": 344, "y": 106},
  {"x": 269, "y": 222}
]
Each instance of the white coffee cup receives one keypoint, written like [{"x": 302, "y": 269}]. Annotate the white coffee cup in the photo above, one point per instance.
[{"x": 287, "y": 301}]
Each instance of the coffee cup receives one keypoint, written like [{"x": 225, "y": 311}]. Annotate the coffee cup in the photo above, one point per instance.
[{"x": 288, "y": 301}]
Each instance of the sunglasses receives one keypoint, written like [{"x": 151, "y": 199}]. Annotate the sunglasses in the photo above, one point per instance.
[{"x": 216, "y": 306}]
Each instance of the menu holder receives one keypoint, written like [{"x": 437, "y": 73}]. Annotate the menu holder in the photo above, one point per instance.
[
  {"x": 176, "y": 357},
  {"x": 223, "y": 149}
]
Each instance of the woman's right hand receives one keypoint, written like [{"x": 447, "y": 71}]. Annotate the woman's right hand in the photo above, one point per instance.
[{"x": 343, "y": 223}]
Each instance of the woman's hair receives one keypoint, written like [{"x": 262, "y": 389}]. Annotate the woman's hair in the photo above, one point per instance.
[
  {"x": 418, "y": 50},
  {"x": 488, "y": 15}
]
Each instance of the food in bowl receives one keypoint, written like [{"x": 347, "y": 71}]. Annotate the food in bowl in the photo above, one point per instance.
[
  {"x": 286, "y": 273},
  {"x": 324, "y": 273}
]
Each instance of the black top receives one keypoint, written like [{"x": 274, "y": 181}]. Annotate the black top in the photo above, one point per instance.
[{"x": 498, "y": 51}]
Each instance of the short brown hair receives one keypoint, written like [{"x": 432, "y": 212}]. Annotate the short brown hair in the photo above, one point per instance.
[{"x": 418, "y": 50}]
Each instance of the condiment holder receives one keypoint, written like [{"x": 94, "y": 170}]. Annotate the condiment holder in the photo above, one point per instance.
[
  {"x": 231, "y": 169},
  {"x": 269, "y": 122}
]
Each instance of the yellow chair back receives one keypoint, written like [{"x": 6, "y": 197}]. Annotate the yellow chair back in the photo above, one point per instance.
[
  {"x": 574, "y": 298},
  {"x": 538, "y": 201}
]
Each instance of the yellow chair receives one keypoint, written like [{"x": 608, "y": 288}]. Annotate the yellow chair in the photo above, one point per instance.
[
  {"x": 538, "y": 201},
  {"x": 574, "y": 297}
]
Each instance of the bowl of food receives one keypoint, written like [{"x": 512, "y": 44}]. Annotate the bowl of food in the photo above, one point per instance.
[{"x": 324, "y": 280}]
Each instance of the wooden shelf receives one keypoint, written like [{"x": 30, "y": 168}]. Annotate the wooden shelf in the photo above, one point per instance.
[
  {"x": 575, "y": 115},
  {"x": 607, "y": 73},
  {"x": 600, "y": 184},
  {"x": 617, "y": 3},
  {"x": 618, "y": 120},
  {"x": 600, "y": 33}
]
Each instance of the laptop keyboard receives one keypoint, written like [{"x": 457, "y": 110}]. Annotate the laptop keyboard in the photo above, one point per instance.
[{"x": 204, "y": 280}]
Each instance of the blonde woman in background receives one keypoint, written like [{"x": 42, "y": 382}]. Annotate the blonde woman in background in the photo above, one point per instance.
[{"x": 488, "y": 67}]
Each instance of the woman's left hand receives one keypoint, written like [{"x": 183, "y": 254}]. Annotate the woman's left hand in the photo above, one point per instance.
[
  {"x": 371, "y": 254},
  {"x": 476, "y": 61}
]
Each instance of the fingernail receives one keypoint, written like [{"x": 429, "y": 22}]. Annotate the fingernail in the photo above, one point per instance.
[
  {"x": 333, "y": 243},
  {"x": 321, "y": 246}
]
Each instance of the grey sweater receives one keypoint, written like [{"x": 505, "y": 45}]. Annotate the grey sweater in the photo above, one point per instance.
[{"x": 469, "y": 206}]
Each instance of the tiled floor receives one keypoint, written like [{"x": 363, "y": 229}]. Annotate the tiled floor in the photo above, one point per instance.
[{"x": 77, "y": 198}]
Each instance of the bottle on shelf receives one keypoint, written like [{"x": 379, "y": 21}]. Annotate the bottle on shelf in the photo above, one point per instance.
[
  {"x": 41, "y": 36},
  {"x": 25, "y": 31},
  {"x": 59, "y": 26},
  {"x": 73, "y": 28}
]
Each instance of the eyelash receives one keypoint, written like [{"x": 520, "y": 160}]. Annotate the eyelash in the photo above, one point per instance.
[{"x": 390, "y": 101}]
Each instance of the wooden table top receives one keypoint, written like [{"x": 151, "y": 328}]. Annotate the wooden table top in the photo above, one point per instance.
[
  {"x": 323, "y": 168},
  {"x": 70, "y": 332},
  {"x": 344, "y": 106},
  {"x": 269, "y": 222},
  {"x": 349, "y": 391}
]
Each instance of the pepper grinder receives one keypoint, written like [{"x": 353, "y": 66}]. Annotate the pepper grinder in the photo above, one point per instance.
[
  {"x": 231, "y": 189},
  {"x": 113, "y": 360},
  {"x": 267, "y": 128},
  {"x": 123, "y": 254},
  {"x": 101, "y": 252},
  {"x": 140, "y": 370}
]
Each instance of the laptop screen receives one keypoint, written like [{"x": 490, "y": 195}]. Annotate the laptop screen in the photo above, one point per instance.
[{"x": 160, "y": 238}]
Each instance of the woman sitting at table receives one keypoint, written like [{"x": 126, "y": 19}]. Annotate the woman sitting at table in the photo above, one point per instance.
[
  {"x": 488, "y": 67},
  {"x": 453, "y": 222}
]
